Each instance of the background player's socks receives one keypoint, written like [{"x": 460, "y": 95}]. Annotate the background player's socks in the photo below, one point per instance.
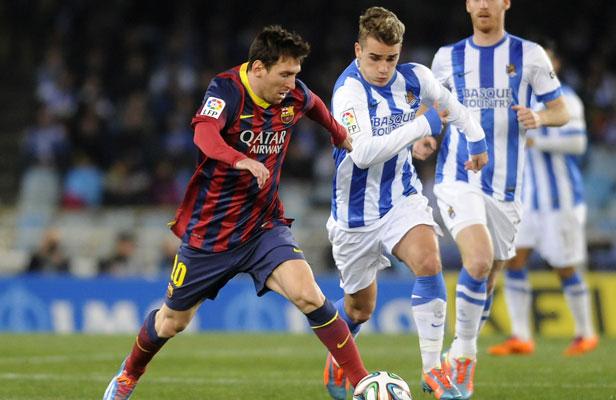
[
  {"x": 353, "y": 326},
  {"x": 146, "y": 346},
  {"x": 429, "y": 304},
  {"x": 576, "y": 293},
  {"x": 336, "y": 336},
  {"x": 487, "y": 309},
  {"x": 518, "y": 298},
  {"x": 470, "y": 299}
]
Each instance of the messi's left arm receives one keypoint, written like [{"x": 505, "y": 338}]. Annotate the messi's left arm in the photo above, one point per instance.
[{"x": 320, "y": 114}]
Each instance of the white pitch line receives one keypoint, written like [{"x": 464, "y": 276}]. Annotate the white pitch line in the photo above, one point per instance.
[
  {"x": 272, "y": 378},
  {"x": 155, "y": 380},
  {"x": 52, "y": 359}
]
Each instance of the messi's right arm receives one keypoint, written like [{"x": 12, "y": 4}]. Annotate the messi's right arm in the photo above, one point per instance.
[
  {"x": 210, "y": 121},
  {"x": 350, "y": 108}
]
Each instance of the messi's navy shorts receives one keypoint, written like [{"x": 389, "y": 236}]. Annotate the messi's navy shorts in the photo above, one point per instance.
[{"x": 198, "y": 275}]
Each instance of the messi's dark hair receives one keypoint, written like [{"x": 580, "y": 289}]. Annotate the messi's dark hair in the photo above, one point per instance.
[{"x": 274, "y": 43}]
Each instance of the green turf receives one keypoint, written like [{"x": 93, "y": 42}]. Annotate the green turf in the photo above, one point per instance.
[{"x": 232, "y": 366}]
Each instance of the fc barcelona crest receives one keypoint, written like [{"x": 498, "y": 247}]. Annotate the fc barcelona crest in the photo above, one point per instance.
[
  {"x": 287, "y": 114},
  {"x": 411, "y": 99}
]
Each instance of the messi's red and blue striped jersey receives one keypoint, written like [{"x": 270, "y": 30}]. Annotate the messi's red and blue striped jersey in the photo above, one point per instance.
[{"x": 223, "y": 206}]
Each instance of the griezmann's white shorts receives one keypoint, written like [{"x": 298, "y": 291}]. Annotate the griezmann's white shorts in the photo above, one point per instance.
[
  {"x": 557, "y": 235},
  {"x": 360, "y": 253},
  {"x": 462, "y": 205}
]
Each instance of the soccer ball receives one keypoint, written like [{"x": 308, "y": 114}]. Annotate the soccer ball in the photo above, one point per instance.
[{"x": 382, "y": 385}]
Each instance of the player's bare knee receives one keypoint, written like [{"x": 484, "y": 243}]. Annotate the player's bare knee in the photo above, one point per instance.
[
  {"x": 479, "y": 266},
  {"x": 359, "y": 316},
  {"x": 307, "y": 300},
  {"x": 565, "y": 273},
  {"x": 172, "y": 326},
  {"x": 427, "y": 265},
  {"x": 360, "y": 312}
]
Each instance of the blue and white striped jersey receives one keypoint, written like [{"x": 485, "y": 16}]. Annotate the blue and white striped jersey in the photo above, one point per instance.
[
  {"x": 489, "y": 80},
  {"x": 378, "y": 173},
  {"x": 552, "y": 177}
]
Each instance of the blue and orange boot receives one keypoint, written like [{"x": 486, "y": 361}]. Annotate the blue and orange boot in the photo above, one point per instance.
[
  {"x": 461, "y": 371},
  {"x": 438, "y": 383},
  {"x": 333, "y": 377},
  {"x": 121, "y": 386}
]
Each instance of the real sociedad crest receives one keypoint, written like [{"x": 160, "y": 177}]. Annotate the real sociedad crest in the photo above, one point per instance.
[
  {"x": 287, "y": 114},
  {"x": 510, "y": 70},
  {"x": 411, "y": 99}
]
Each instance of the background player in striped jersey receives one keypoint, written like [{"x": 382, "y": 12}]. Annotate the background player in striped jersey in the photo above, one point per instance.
[
  {"x": 377, "y": 204},
  {"x": 231, "y": 219},
  {"x": 552, "y": 223},
  {"x": 494, "y": 74}
]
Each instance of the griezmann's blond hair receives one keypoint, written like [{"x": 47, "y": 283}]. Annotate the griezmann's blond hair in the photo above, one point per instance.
[{"x": 382, "y": 24}]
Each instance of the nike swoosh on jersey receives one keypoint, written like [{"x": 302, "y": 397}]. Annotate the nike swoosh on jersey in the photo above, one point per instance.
[
  {"x": 341, "y": 345},
  {"x": 246, "y": 116},
  {"x": 296, "y": 250},
  {"x": 437, "y": 325},
  {"x": 461, "y": 74}
]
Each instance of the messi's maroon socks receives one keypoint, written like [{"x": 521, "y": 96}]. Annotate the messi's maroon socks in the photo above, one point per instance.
[
  {"x": 335, "y": 335},
  {"x": 146, "y": 346}
]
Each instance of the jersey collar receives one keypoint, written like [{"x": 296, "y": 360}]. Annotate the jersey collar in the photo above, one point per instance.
[{"x": 244, "y": 78}]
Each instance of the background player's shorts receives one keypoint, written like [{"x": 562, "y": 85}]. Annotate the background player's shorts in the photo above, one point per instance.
[
  {"x": 198, "y": 275},
  {"x": 462, "y": 205},
  {"x": 557, "y": 235},
  {"x": 360, "y": 254}
]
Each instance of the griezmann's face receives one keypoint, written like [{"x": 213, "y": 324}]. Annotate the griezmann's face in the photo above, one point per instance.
[
  {"x": 377, "y": 60},
  {"x": 279, "y": 80},
  {"x": 487, "y": 15}
]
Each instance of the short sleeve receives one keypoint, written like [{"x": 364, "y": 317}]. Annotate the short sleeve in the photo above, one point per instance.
[
  {"x": 542, "y": 79},
  {"x": 441, "y": 66}
]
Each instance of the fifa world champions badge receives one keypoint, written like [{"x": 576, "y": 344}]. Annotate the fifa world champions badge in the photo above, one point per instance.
[
  {"x": 349, "y": 121},
  {"x": 213, "y": 107}
]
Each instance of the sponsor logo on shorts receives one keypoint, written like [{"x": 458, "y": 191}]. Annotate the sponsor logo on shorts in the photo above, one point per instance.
[
  {"x": 169, "y": 290},
  {"x": 296, "y": 250}
]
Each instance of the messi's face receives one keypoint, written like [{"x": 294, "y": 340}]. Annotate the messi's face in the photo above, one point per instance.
[
  {"x": 487, "y": 15},
  {"x": 275, "y": 83},
  {"x": 377, "y": 60}
]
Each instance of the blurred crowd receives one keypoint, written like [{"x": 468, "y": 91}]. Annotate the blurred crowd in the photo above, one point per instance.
[{"x": 116, "y": 84}]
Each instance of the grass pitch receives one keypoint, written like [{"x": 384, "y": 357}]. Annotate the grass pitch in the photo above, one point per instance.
[{"x": 268, "y": 367}]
